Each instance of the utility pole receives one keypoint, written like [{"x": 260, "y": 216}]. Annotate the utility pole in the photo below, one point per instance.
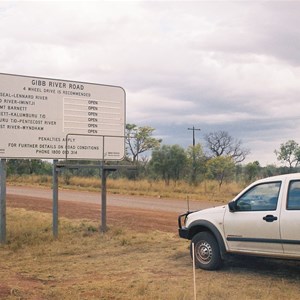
[{"x": 194, "y": 158}]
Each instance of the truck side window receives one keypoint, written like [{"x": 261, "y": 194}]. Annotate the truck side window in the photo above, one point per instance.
[
  {"x": 261, "y": 197},
  {"x": 293, "y": 198}
]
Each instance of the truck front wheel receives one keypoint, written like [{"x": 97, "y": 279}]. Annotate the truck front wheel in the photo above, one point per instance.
[{"x": 207, "y": 252}]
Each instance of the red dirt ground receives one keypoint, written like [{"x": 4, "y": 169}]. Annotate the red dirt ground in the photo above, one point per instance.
[
  {"x": 137, "y": 219},
  {"x": 133, "y": 218}
]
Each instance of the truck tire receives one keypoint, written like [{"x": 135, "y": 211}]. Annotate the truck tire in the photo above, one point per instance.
[{"x": 207, "y": 252}]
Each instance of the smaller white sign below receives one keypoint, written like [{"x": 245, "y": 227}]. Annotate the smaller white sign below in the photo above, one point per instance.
[{"x": 55, "y": 119}]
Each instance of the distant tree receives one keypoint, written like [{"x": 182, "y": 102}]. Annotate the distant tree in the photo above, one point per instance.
[
  {"x": 220, "y": 143},
  {"x": 140, "y": 140},
  {"x": 289, "y": 153},
  {"x": 28, "y": 166},
  {"x": 196, "y": 161},
  {"x": 269, "y": 170},
  {"x": 238, "y": 173},
  {"x": 220, "y": 168},
  {"x": 252, "y": 170},
  {"x": 168, "y": 162}
]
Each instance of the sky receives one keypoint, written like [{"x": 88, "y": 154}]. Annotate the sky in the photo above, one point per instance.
[{"x": 215, "y": 65}]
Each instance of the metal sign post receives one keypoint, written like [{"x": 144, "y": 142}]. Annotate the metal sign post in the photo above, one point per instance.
[
  {"x": 104, "y": 173},
  {"x": 103, "y": 227},
  {"x": 3, "y": 201},
  {"x": 55, "y": 199}
]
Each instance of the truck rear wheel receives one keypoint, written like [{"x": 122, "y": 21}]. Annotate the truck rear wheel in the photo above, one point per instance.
[{"x": 207, "y": 252}]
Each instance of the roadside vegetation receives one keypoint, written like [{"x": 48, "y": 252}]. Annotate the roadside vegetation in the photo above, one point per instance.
[
  {"x": 206, "y": 191},
  {"x": 124, "y": 264}
]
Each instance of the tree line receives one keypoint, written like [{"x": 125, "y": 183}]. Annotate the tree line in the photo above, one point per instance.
[{"x": 220, "y": 158}]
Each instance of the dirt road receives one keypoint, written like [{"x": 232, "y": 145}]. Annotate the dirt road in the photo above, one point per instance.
[
  {"x": 169, "y": 205},
  {"x": 139, "y": 213}
]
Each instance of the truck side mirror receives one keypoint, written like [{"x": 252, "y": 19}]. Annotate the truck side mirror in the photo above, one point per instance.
[{"x": 232, "y": 206}]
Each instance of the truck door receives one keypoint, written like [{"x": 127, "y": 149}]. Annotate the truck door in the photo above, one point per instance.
[
  {"x": 253, "y": 225},
  {"x": 290, "y": 219}
]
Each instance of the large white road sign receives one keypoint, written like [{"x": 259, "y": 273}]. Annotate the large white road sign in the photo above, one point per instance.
[{"x": 55, "y": 119}]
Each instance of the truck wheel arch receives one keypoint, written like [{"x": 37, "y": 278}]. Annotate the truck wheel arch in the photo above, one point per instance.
[{"x": 203, "y": 225}]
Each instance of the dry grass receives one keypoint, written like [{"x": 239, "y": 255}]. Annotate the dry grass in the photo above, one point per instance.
[
  {"x": 124, "y": 264},
  {"x": 206, "y": 191}
]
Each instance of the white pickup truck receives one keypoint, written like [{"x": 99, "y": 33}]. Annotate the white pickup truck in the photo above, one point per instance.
[{"x": 262, "y": 220}]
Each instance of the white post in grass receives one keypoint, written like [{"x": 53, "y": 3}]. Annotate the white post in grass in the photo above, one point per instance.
[{"x": 194, "y": 271}]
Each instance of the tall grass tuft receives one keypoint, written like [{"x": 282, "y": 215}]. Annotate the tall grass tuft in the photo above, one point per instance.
[{"x": 27, "y": 228}]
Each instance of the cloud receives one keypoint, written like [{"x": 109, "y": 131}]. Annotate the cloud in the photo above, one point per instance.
[{"x": 220, "y": 65}]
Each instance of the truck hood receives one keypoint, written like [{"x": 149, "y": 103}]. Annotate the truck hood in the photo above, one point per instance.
[{"x": 214, "y": 213}]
